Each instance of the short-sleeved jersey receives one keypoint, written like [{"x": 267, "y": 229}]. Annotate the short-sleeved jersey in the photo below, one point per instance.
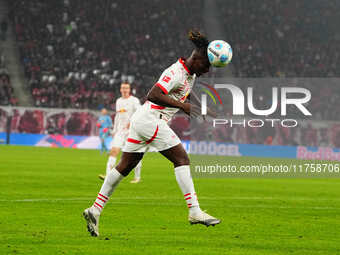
[
  {"x": 105, "y": 121},
  {"x": 125, "y": 107},
  {"x": 176, "y": 82}
]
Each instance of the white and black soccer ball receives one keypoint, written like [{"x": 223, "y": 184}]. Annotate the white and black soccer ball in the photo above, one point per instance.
[{"x": 220, "y": 53}]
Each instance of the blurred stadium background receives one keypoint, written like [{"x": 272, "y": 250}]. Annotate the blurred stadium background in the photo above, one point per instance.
[{"x": 62, "y": 61}]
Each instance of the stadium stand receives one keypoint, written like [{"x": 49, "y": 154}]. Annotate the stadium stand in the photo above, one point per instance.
[
  {"x": 6, "y": 90},
  {"x": 80, "y": 53},
  {"x": 284, "y": 38},
  {"x": 75, "y": 59}
]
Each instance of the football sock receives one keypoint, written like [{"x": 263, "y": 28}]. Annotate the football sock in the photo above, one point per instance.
[
  {"x": 111, "y": 181},
  {"x": 138, "y": 169},
  {"x": 186, "y": 184},
  {"x": 110, "y": 163}
]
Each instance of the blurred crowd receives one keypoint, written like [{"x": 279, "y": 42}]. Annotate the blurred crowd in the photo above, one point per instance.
[
  {"x": 6, "y": 90},
  {"x": 75, "y": 53},
  {"x": 279, "y": 38}
]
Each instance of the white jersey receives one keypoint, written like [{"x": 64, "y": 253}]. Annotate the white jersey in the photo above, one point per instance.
[
  {"x": 176, "y": 82},
  {"x": 125, "y": 108}
]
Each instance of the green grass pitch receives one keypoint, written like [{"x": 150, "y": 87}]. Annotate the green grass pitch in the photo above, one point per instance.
[{"x": 43, "y": 192}]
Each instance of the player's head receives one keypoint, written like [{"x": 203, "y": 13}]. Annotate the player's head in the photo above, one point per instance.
[
  {"x": 198, "y": 61},
  {"x": 125, "y": 89},
  {"x": 104, "y": 111}
]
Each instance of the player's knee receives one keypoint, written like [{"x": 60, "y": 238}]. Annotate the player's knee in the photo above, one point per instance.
[
  {"x": 133, "y": 164},
  {"x": 126, "y": 167},
  {"x": 183, "y": 161},
  {"x": 114, "y": 152}
]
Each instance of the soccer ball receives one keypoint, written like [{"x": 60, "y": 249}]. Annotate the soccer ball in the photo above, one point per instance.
[{"x": 220, "y": 53}]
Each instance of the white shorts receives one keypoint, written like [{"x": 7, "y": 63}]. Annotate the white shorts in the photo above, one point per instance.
[
  {"x": 118, "y": 140},
  {"x": 147, "y": 130}
]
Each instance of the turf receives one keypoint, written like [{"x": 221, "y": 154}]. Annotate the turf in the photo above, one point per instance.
[{"x": 43, "y": 192}]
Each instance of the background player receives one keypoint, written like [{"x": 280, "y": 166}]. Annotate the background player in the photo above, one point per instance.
[
  {"x": 104, "y": 124},
  {"x": 126, "y": 105},
  {"x": 149, "y": 126}
]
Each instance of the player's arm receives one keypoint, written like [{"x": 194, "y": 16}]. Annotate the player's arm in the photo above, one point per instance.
[
  {"x": 110, "y": 121},
  {"x": 109, "y": 124},
  {"x": 106, "y": 124},
  {"x": 136, "y": 105},
  {"x": 195, "y": 99},
  {"x": 157, "y": 95},
  {"x": 115, "y": 122},
  {"x": 99, "y": 123}
]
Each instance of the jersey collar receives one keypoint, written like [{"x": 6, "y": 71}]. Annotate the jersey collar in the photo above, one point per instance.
[{"x": 182, "y": 61}]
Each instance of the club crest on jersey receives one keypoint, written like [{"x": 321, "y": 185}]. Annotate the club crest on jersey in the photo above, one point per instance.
[{"x": 166, "y": 79}]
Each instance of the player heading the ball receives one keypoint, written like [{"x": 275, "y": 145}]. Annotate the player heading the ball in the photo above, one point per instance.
[{"x": 149, "y": 127}]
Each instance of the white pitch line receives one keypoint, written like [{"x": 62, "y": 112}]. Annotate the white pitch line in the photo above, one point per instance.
[
  {"x": 46, "y": 199},
  {"x": 148, "y": 199},
  {"x": 172, "y": 198},
  {"x": 240, "y": 206}
]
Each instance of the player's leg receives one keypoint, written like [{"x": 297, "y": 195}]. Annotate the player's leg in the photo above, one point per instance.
[
  {"x": 102, "y": 143},
  {"x": 178, "y": 156},
  {"x": 111, "y": 161},
  {"x": 127, "y": 162},
  {"x": 138, "y": 168},
  {"x": 137, "y": 171},
  {"x": 117, "y": 143}
]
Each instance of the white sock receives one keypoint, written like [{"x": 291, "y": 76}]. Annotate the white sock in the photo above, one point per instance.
[
  {"x": 186, "y": 184},
  {"x": 138, "y": 169},
  {"x": 111, "y": 181},
  {"x": 110, "y": 163}
]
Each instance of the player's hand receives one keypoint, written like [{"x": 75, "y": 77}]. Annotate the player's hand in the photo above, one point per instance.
[
  {"x": 186, "y": 108},
  {"x": 191, "y": 109},
  {"x": 211, "y": 113},
  {"x": 105, "y": 130}
]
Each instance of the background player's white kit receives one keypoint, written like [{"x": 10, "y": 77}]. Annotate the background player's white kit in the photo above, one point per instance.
[{"x": 125, "y": 108}]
